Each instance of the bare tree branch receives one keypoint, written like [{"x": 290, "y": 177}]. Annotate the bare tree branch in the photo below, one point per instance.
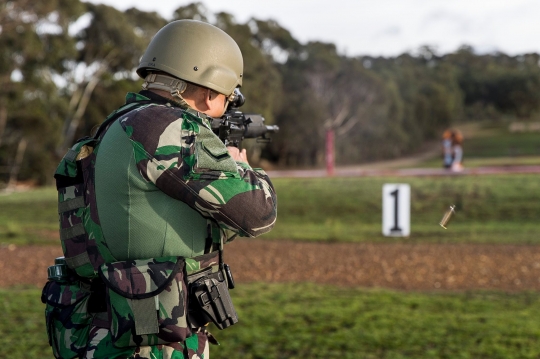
[
  {"x": 342, "y": 115},
  {"x": 348, "y": 125},
  {"x": 16, "y": 167},
  {"x": 82, "y": 98}
]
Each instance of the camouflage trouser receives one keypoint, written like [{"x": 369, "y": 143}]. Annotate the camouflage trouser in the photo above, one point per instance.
[{"x": 100, "y": 347}]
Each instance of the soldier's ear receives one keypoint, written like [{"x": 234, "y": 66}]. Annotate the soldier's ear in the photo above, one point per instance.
[
  {"x": 200, "y": 99},
  {"x": 206, "y": 98}
]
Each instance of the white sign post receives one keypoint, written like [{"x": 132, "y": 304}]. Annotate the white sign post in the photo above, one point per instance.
[{"x": 396, "y": 210}]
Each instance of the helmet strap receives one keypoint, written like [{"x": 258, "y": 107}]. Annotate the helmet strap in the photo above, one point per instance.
[{"x": 166, "y": 83}]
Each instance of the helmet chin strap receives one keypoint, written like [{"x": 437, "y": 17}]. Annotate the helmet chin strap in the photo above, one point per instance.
[{"x": 166, "y": 83}]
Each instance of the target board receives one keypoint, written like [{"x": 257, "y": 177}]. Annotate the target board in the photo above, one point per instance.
[{"x": 396, "y": 216}]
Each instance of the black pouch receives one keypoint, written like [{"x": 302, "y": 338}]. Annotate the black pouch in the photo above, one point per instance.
[
  {"x": 66, "y": 317},
  {"x": 210, "y": 300}
]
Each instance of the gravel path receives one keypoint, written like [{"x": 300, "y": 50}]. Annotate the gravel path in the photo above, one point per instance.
[{"x": 395, "y": 266}]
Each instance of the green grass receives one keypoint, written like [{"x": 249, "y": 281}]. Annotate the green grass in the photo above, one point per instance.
[
  {"x": 489, "y": 209},
  {"x": 29, "y": 217},
  {"x": 22, "y": 321},
  {"x": 503, "y": 144},
  {"x": 310, "y": 321}
]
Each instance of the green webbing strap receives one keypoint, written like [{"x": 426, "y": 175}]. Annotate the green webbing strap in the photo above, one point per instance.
[
  {"x": 117, "y": 114},
  {"x": 78, "y": 261},
  {"x": 71, "y": 204},
  {"x": 103, "y": 316},
  {"x": 71, "y": 232},
  {"x": 71, "y": 155},
  {"x": 145, "y": 315}
]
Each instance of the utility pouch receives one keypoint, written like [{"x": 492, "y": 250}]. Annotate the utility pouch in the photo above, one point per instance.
[
  {"x": 210, "y": 300},
  {"x": 146, "y": 301},
  {"x": 66, "y": 317}
]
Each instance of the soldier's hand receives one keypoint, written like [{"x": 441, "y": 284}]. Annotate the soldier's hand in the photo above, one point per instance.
[{"x": 238, "y": 155}]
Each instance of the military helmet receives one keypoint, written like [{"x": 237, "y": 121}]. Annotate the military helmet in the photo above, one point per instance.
[{"x": 195, "y": 52}]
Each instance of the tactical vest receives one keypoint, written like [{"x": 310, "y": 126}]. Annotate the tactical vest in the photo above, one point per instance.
[{"x": 147, "y": 301}]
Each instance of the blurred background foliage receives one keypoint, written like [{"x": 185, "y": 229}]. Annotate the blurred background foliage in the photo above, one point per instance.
[{"x": 66, "y": 64}]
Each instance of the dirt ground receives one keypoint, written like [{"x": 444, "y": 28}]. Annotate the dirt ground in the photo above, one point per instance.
[{"x": 454, "y": 267}]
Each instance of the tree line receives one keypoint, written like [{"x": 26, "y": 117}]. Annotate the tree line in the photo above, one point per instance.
[{"x": 66, "y": 64}]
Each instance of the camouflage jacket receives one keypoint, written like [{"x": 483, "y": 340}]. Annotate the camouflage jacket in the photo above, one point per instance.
[{"x": 177, "y": 151}]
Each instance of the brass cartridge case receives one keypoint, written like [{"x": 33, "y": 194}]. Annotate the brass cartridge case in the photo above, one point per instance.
[{"x": 447, "y": 216}]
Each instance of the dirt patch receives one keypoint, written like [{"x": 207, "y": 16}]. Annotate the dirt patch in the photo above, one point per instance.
[
  {"x": 396, "y": 266},
  {"x": 26, "y": 265}
]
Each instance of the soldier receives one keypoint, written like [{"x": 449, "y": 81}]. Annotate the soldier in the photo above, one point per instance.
[{"x": 166, "y": 189}]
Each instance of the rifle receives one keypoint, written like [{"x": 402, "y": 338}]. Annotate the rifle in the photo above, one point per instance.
[{"x": 235, "y": 126}]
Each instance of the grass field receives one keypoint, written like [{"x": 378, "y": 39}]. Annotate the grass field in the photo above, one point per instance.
[
  {"x": 500, "y": 143},
  {"x": 308, "y": 321},
  {"x": 489, "y": 209},
  {"x": 29, "y": 217}
]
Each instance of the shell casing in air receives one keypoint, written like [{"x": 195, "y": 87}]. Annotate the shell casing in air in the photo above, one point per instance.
[{"x": 447, "y": 216}]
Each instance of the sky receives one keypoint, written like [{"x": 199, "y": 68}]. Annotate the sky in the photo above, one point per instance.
[{"x": 385, "y": 27}]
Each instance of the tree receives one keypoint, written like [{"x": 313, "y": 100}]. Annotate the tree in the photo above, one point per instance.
[
  {"x": 346, "y": 95},
  {"x": 193, "y": 11},
  {"x": 29, "y": 55},
  {"x": 112, "y": 43}
]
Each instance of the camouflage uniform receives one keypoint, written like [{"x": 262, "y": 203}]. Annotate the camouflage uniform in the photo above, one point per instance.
[{"x": 175, "y": 159}]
